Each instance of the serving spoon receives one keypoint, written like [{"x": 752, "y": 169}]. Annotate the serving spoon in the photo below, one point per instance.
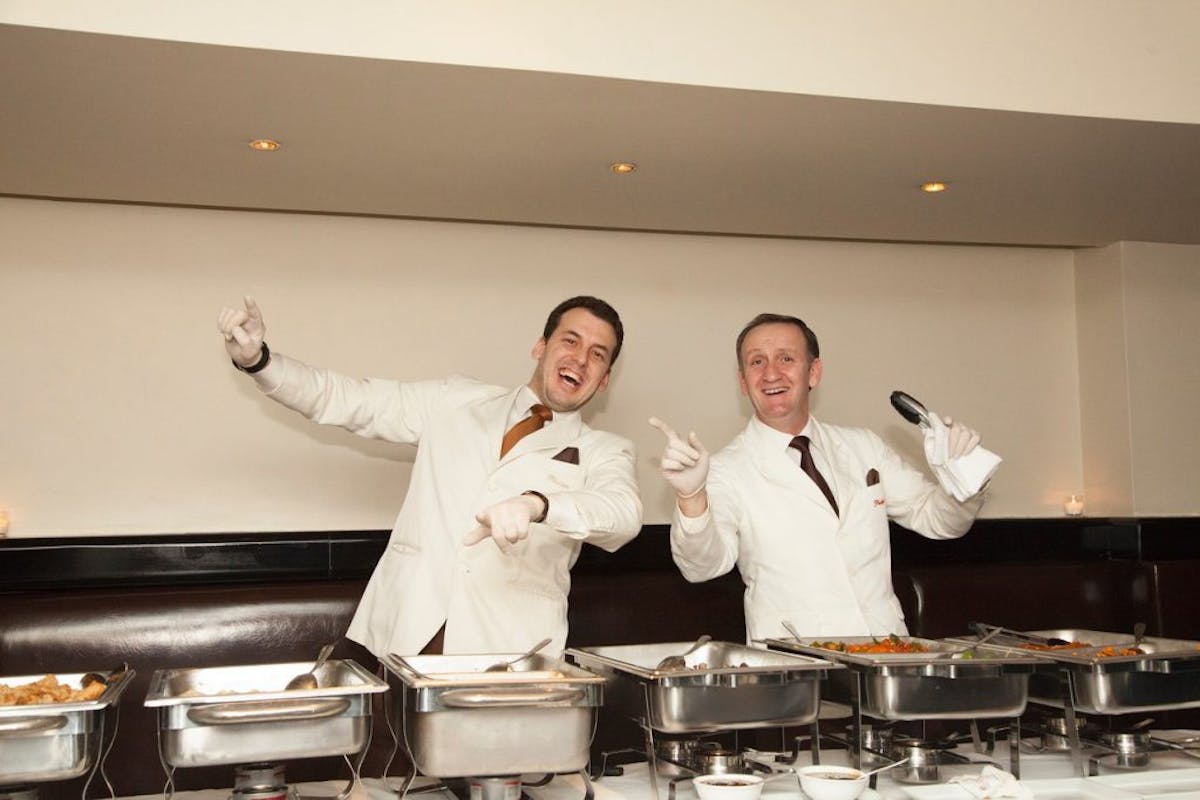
[
  {"x": 886, "y": 767},
  {"x": 308, "y": 680},
  {"x": 680, "y": 661},
  {"x": 507, "y": 666}
]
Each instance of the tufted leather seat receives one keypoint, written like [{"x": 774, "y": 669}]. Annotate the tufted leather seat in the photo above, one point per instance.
[{"x": 165, "y": 628}]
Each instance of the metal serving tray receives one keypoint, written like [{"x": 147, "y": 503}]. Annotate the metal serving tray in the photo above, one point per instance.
[
  {"x": 459, "y": 720},
  {"x": 54, "y": 741},
  {"x": 724, "y": 686},
  {"x": 938, "y": 684},
  {"x": 236, "y": 715},
  {"x": 1167, "y": 675}
]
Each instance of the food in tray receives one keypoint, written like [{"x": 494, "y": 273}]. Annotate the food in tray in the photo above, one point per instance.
[
  {"x": 890, "y": 644},
  {"x": 1073, "y": 645},
  {"x": 1113, "y": 651},
  {"x": 48, "y": 690}
]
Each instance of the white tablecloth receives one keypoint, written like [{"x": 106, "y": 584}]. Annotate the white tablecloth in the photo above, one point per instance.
[{"x": 1049, "y": 776}]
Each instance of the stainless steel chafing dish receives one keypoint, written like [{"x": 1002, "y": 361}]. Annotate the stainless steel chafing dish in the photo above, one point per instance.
[
  {"x": 1165, "y": 675},
  {"x": 941, "y": 683},
  {"x": 459, "y": 720},
  {"x": 236, "y": 715},
  {"x": 724, "y": 686},
  {"x": 55, "y": 741}
]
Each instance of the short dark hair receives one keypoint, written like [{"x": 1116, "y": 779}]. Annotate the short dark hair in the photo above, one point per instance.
[
  {"x": 597, "y": 307},
  {"x": 814, "y": 349}
]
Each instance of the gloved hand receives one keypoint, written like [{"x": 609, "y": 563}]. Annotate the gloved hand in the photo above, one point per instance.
[
  {"x": 946, "y": 439},
  {"x": 684, "y": 464},
  {"x": 243, "y": 330},
  {"x": 506, "y": 522},
  {"x": 952, "y": 449}
]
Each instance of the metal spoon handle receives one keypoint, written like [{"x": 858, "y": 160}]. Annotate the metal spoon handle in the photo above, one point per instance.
[{"x": 886, "y": 767}]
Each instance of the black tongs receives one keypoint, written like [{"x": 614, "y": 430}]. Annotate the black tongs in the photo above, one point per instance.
[
  {"x": 910, "y": 408},
  {"x": 982, "y": 628}
]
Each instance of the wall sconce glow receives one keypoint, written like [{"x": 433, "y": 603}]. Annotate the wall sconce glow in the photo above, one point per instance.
[
  {"x": 264, "y": 145},
  {"x": 622, "y": 167},
  {"x": 933, "y": 187},
  {"x": 1073, "y": 505}
]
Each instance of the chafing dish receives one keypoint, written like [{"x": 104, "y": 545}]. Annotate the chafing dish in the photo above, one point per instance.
[
  {"x": 942, "y": 683},
  {"x": 1165, "y": 675},
  {"x": 54, "y": 741},
  {"x": 724, "y": 686},
  {"x": 236, "y": 715},
  {"x": 461, "y": 721}
]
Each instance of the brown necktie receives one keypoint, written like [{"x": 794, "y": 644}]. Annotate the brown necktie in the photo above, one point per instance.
[
  {"x": 806, "y": 464},
  {"x": 539, "y": 415}
]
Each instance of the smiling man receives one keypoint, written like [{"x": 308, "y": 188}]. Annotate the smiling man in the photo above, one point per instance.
[
  {"x": 802, "y": 507},
  {"x": 506, "y": 486}
]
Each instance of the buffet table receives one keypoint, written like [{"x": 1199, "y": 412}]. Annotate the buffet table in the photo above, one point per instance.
[{"x": 1048, "y": 776}]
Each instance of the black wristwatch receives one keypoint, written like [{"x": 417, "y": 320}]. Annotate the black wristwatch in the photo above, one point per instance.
[
  {"x": 259, "y": 365},
  {"x": 545, "y": 505}
]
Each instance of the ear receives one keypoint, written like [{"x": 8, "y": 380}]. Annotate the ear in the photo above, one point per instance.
[
  {"x": 539, "y": 347},
  {"x": 604, "y": 381},
  {"x": 742, "y": 382},
  {"x": 814, "y": 373}
]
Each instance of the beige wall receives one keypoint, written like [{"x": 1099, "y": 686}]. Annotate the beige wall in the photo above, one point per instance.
[
  {"x": 1139, "y": 374},
  {"x": 1124, "y": 59},
  {"x": 1162, "y": 301},
  {"x": 122, "y": 415}
]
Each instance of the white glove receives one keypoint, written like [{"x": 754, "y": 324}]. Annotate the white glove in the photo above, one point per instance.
[
  {"x": 506, "y": 522},
  {"x": 243, "y": 330},
  {"x": 684, "y": 464},
  {"x": 952, "y": 449}
]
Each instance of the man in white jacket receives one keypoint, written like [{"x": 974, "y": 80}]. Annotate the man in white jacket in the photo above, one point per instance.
[
  {"x": 802, "y": 507},
  {"x": 506, "y": 486}
]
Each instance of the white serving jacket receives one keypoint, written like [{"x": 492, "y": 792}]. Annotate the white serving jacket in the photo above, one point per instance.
[
  {"x": 827, "y": 576},
  {"x": 490, "y": 602}
]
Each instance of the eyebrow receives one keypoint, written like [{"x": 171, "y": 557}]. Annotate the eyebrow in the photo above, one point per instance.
[{"x": 578, "y": 335}]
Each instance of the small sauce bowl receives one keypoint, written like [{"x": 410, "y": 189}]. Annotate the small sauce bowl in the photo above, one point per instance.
[
  {"x": 828, "y": 782},
  {"x": 730, "y": 786}
]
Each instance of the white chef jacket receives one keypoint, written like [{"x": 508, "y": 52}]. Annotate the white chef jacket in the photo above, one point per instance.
[
  {"x": 826, "y": 575},
  {"x": 490, "y": 601}
]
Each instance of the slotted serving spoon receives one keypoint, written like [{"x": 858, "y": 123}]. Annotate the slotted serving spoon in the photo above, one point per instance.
[
  {"x": 680, "y": 661},
  {"x": 506, "y": 666},
  {"x": 308, "y": 680}
]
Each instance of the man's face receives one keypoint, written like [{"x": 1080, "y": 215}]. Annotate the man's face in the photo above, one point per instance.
[
  {"x": 573, "y": 364},
  {"x": 777, "y": 375}
]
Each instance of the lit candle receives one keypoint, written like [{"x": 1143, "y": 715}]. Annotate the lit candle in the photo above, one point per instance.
[
  {"x": 1073, "y": 505},
  {"x": 3, "y": 523}
]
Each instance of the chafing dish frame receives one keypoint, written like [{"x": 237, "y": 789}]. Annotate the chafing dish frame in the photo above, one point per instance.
[
  {"x": 1078, "y": 680},
  {"x": 235, "y": 715},
  {"x": 453, "y": 713},
  {"x": 57, "y": 741},
  {"x": 935, "y": 684},
  {"x": 728, "y": 686}
]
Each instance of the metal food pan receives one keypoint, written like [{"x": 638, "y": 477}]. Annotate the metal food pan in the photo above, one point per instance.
[
  {"x": 938, "y": 684},
  {"x": 724, "y": 686},
  {"x": 54, "y": 741},
  {"x": 1166, "y": 676},
  {"x": 460, "y": 720},
  {"x": 235, "y": 715}
]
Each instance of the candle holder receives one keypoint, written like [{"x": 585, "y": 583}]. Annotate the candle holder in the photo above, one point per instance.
[{"x": 1073, "y": 505}]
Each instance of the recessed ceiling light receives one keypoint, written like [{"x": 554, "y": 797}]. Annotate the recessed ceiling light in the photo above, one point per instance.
[
  {"x": 265, "y": 145},
  {"x": 622, "y": 167},
  {"x": 933, "y": 187}
]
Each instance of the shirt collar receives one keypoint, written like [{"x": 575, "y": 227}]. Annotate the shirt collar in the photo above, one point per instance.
[{"x": 773, "y": 436}]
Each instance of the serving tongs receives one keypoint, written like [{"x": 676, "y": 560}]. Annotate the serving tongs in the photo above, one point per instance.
[{"x": 982, "y": 629}]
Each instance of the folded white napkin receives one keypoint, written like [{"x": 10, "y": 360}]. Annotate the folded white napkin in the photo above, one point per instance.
[
  {"x": 992, "y": 782},
  {"x": 962, "y": 477}
]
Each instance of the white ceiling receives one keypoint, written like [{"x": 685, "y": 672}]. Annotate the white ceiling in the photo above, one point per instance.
[{"x": 111, "y": 118}]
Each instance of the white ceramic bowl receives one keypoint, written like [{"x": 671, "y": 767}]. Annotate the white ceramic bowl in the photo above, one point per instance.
[
  {"x": 829, "y": 782},
  {"x": 728, "y": 786}
]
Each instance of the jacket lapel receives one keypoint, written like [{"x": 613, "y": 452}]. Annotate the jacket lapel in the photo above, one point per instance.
[{"x": 777, "y": 467}]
